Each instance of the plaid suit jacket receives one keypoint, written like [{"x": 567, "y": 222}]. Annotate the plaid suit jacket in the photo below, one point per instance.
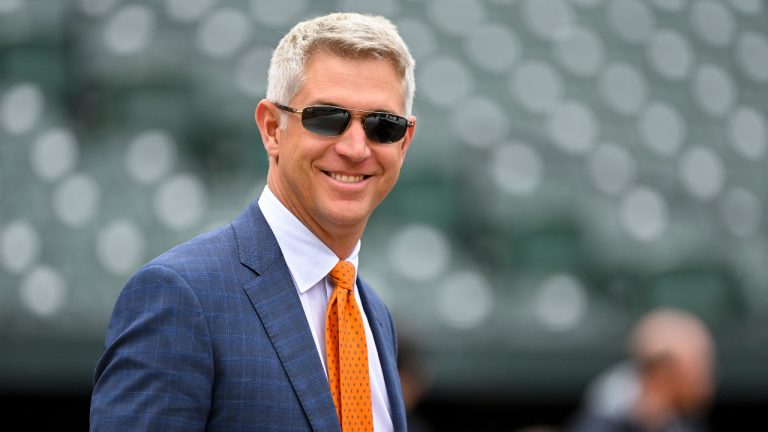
[{"x": 211, "y": 335}]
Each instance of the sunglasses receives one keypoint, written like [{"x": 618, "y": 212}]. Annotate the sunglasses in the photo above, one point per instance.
[{"x": 331, "y": 121}]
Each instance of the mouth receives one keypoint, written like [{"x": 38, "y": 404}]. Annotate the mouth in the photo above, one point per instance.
[{"x": 344, "y": 178}]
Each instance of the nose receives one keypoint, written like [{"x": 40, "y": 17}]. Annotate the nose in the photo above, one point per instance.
[{"x": 353, "y": 143}]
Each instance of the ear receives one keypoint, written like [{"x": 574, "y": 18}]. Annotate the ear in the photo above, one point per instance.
[
  {"x": 267, "y": 117},
  {"x": 406, "y": 144}
]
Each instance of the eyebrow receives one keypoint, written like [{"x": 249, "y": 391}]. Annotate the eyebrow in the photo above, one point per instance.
[{"x": 324, "y": 102}]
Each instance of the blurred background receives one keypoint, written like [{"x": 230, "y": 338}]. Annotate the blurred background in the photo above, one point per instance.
[{"x": 576, "y": 163}]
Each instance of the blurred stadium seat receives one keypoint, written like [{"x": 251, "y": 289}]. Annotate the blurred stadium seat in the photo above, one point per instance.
[{"x": 576, "y": 163}]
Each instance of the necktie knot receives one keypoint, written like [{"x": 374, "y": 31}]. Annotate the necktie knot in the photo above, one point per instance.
[{"x": 343, "y": 275}]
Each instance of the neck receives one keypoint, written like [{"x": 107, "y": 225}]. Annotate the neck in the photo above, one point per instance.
[
  {"x": 341, "y": 239},
  {"x": 342, "y": 244}
]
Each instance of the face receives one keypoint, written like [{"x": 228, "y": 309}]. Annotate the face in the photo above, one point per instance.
[
  {"x": 694, "y": 379},
  {"x": 332, "y": 184}
]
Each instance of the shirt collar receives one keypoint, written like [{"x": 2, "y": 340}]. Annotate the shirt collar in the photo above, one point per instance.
[{"x": 309, "y": 259}]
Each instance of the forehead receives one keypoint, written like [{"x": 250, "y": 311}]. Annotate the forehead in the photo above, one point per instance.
[{"x": 362, "y": 83}]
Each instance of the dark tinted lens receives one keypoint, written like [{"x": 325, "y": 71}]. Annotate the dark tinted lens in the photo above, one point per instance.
[
  {"x": 327, "y": 121},
  {"x": 384, "y": 127}
]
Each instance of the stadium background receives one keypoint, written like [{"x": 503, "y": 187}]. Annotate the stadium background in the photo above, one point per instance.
[{"x": 576, "y": 163}]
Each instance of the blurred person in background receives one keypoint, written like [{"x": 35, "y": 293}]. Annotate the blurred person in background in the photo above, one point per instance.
[
  {"x": 537, "y": 428},
  {"x": 263, "y": 325},
  {"x": 665, "y": 387},
  {"x": 415, "y": 380}
]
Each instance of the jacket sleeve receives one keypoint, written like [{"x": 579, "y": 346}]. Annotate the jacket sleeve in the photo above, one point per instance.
[{"x": 156, "y": 373}]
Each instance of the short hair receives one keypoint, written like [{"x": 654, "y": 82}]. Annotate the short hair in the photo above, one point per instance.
[
  {"x": 667, "y": 333},
  {"x": 349, "y": 35}
]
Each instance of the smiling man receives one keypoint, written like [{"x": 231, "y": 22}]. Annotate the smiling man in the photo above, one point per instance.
[{"x": 264, "y": 325}]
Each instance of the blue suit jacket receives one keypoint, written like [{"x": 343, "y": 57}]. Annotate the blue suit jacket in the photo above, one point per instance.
[{"x": 211, "y": 335}]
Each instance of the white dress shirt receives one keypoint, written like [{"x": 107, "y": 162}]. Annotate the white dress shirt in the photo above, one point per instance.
[{"x": 310, "y": 261}]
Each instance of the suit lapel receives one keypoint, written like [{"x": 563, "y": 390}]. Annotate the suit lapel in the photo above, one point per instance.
[
  {"x": 379, "y": 319},
  {"x": 277, "y": 303}
]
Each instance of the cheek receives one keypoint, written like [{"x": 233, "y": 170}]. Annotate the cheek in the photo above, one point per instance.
[
  {"x": 388, "y": 181},
  {"x": 298, "y": 153},
  {"x": 391, "y": 161},
  {"x": 696, "y": 386}
]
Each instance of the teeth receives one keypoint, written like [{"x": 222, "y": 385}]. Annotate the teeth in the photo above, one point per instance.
[{"x": 346, "y": 178}]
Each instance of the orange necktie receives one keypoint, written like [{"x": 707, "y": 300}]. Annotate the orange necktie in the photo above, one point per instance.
[{"x": 347, "y": 354}]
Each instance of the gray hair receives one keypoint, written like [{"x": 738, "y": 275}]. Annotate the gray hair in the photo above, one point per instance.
[{"x": 349, "y": 35}]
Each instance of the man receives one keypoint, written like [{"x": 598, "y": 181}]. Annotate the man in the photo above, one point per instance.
[
  {"x": 666, "y": 386},
  {"x": 263, "y": 325}
]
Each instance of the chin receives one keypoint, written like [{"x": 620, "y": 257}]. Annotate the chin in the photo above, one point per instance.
[
  {"x": 347, "y": 219},
  {"x": 345, "y": 215},
  {"x": 354, "y": 208}
]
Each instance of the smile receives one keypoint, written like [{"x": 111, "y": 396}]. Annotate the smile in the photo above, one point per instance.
[{"x": 346, "y": 178}]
